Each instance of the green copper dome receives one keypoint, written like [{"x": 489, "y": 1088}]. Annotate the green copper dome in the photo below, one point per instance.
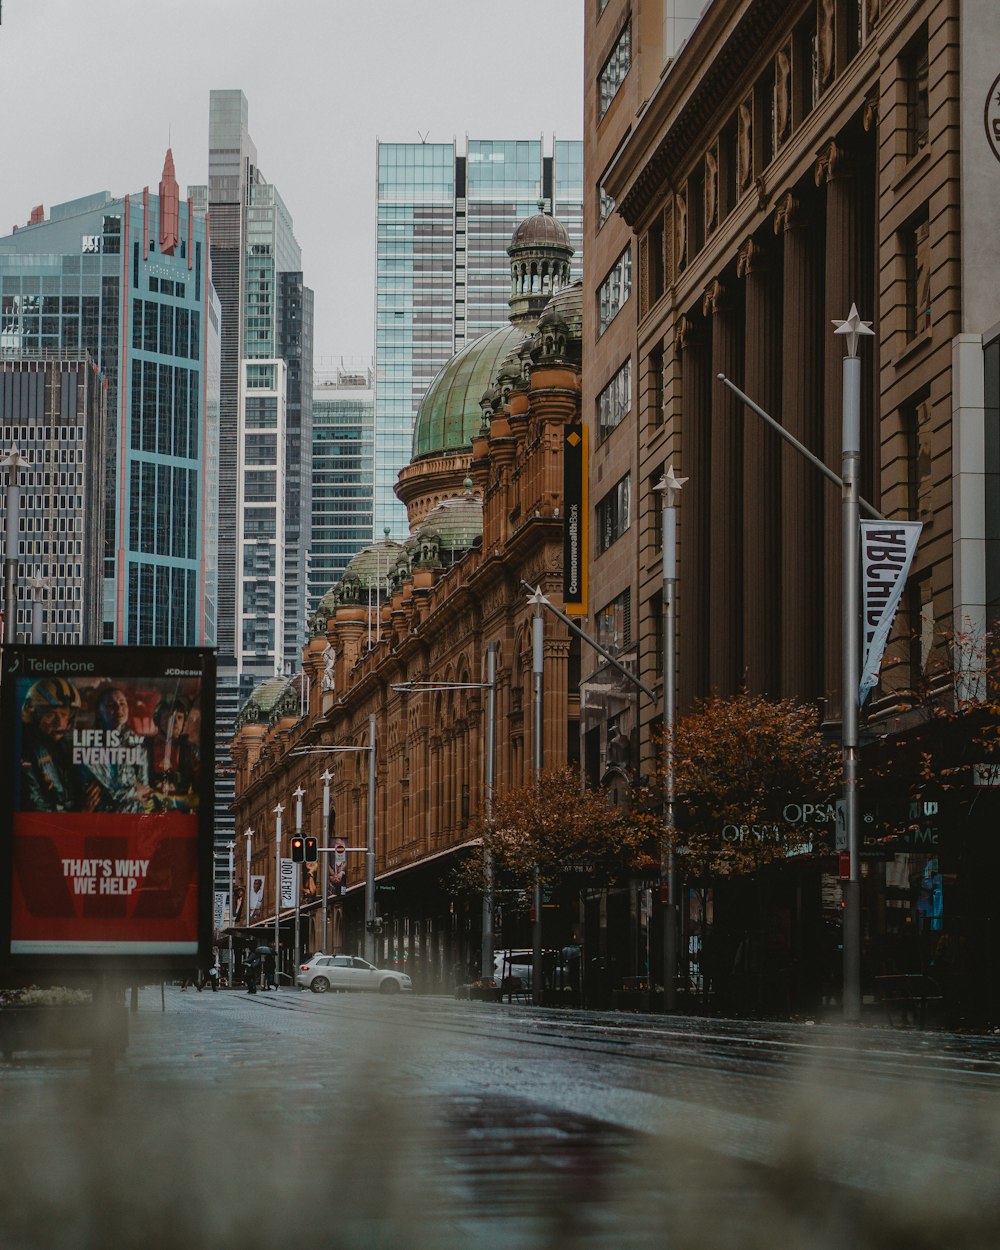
[
  {"x": 257, "y": 708},
  {"x": 450, "y": 415},
  {"x": 568, "y": 303},
  {"x": 372, "y": 565},
  {"x": 457, "y": 523}
]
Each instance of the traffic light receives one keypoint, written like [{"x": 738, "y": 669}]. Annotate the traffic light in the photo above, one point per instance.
[
  {"x": 312, "y": 851},
  {"x": 298, "y": 850}
]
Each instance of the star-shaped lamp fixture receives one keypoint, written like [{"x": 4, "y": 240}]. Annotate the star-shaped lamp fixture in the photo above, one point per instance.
[
  {"x": 670, "y": 484},
  {"x": 853, "y": 328}
]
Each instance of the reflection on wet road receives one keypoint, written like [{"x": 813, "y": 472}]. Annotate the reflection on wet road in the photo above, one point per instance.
[{"x": 340, "y": 1121}]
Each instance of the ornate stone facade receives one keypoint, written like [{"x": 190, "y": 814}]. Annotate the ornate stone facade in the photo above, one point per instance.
[
  {"x": 485, "y": 505},
  {"x": 813, "y": 155}
]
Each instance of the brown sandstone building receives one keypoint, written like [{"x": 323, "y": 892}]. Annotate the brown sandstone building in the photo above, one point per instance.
[
  {"x": 483, "y": 494},
  {"x": 755, "y": 167}
]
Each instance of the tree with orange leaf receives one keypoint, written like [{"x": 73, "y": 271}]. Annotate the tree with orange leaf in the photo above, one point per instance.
[{"x": 739, "y": 763}]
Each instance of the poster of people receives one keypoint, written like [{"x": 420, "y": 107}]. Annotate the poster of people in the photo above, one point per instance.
[{"x": 105, "y": 786}]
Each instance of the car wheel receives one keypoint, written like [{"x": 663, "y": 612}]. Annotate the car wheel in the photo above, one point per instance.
[
  {"x": 319, "y": 985},
  {"x": 389, "y": 986}
]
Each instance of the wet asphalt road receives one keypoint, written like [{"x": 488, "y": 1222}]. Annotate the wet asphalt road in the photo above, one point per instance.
[{"x": 296, "y": 1119}]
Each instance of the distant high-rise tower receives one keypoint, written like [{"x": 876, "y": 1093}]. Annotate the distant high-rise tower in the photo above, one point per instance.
[
  {"x": 265, "y": 438},
  {"x": 127, "y": 281},
  {"x": 53, "y": 410},
  {"x": 343, "y": 416},
  {"x": 444, "y": 219}
]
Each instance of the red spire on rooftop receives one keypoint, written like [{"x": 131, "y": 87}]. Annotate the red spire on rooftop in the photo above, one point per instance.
[{"x": 169, "y": 206}]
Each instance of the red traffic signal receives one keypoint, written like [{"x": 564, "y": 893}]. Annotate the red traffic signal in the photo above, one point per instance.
[
  {"x": 312, "y": 851},
  {"x": 298, "y": 850}
]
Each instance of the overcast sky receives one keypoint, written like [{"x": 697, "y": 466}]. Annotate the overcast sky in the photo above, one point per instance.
[{"x": 90, "y": 91}]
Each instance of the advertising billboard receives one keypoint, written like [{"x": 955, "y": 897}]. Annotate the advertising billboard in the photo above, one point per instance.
[{"x": 107, "y": 798}]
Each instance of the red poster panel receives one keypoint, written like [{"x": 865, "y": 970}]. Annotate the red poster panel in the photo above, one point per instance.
[{"x": 108, "y": 803}]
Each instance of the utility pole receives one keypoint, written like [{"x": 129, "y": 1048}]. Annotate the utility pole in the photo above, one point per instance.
[
  {"x": 669, "y": 488},
  {"x": 537, "y": 673},
  {"x": 491, "y": 735},
  {"x": 853, "y": 328},
  {"x": 277, "y": 891},
  {"x": 370, "y": 851}
]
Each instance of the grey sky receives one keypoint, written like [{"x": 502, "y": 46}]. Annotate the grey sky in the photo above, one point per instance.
[{"x": 90, "y": 90}]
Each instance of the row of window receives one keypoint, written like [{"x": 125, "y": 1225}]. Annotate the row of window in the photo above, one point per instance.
[
  {"x": 25, "y": 435},
  {"x": 164, "y": 517},
  {"x": 165, "y": 409},
  {"x": 167, "y": 286},
  {"x": 166, "y": 330},
  {"x": 162, "y": 605}
]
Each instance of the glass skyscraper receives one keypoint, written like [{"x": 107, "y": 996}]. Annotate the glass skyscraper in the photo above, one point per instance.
[
  {"x": 343, "y": 431},
  {"x": 127, "y": 281},
  {"x": 265, "y": 440},
  {"x": 445, "y": 218}
]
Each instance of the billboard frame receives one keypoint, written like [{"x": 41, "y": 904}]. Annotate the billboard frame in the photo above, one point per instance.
[{"x": 110, "y": 663}]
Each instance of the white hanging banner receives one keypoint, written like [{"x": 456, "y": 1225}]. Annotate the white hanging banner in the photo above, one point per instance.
[
  {"x": 887, "y": 549},
  {"x": 288, "y": 879}
]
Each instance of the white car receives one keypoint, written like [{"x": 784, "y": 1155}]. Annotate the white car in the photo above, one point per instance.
[
  {"x": 348, "y": 972},
  {"x": 513, "y": 963}
]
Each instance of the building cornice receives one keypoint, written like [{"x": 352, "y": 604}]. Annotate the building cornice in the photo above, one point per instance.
[{"x": 710, "y": 65}]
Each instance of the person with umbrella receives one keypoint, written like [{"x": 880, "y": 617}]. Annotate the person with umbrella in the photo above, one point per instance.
[
  {"x": 251, "y": 967},
  {"x": 268, "y": 956}
]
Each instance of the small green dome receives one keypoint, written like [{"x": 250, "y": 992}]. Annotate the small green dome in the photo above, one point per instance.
[
  {"x": 372, "y": 565},
  {"x": 456, "y": 523},
  {"x": 568, "y": 303},
  {"x": 450, "y": 415},
  {"x": 258, "y": 707}
]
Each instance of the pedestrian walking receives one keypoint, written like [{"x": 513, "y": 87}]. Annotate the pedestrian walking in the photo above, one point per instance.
[
  {"x": 192, "y": 978},
  {"x": 213, "y": 977},
  {"x": 250, "y": 970}
]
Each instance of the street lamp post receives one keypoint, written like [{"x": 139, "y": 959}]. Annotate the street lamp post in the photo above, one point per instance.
[
  {"x": 326, "y": 777},
  {"x": 853, "y": 328},
  {"x": 370, "y": 848},
  {"x": 669, "y": 488},
  {"x": 232, "y": 917},
  {"x": 246, "y": 896},
  {"x": 37, "y": 585},
  {"x": 12, "y": 462},
  {"x": 277, "y": 891},
  {"x": 488, "y": 782},
  {"x": 297, "y": 886},
  {"x": 537, "y": 672}
]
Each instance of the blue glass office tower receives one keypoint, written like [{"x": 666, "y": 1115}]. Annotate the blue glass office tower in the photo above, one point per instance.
[
  {"x": 343, "y": 433},
  {"x": 445, "y": 218},
  {"x": 128, "y": 281}
]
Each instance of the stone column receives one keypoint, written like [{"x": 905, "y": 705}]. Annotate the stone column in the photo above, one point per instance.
[
  {"x": 762, "y": 518},
  {"x": 844, "y": 285},
  {"x": 725, "y": 651},
  {"x": 802, "y": 485},
  {"x": 694, "y": 347}
]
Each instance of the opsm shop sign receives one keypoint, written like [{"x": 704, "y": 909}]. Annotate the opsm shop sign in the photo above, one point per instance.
[{"x": 798, "y": 814}]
